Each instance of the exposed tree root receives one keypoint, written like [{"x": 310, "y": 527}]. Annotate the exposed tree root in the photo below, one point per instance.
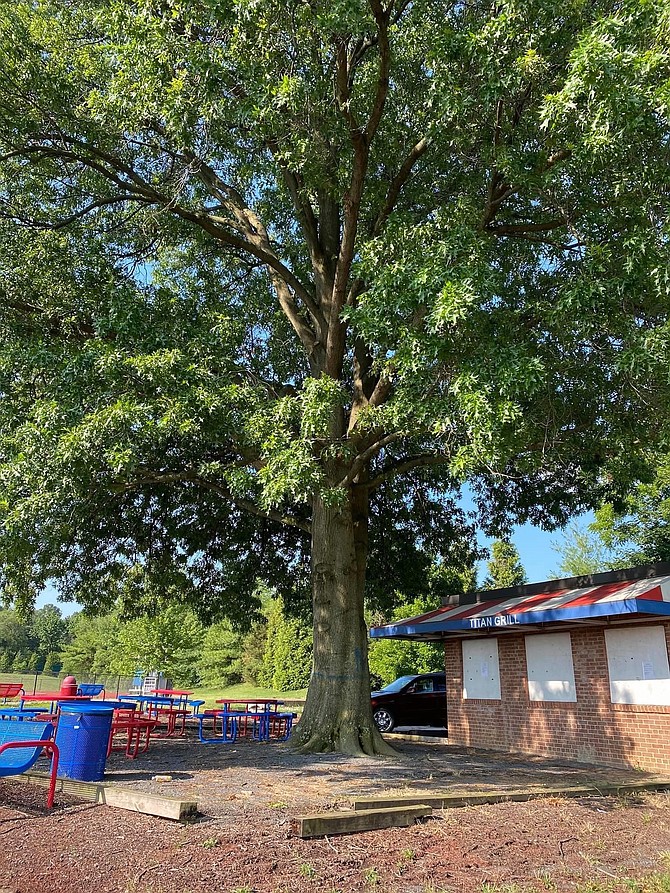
[{"x": 355, "y": 742}]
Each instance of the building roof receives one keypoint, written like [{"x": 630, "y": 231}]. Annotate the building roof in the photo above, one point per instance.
[{"x": 610, "y": 598}]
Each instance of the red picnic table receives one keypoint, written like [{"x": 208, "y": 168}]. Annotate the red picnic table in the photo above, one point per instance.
[
  {"x": 51, "y": 697},
  {"x": 175, "y": 710},
  {"x": 128, "y": 726},
  {"x": 10, "y": 690}
]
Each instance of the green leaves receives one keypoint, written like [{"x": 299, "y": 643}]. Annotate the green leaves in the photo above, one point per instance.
[
  {"x": 251, "y": 255},
  {"x": 291, "y": 439},
  {"x": 504, "y": 568}
]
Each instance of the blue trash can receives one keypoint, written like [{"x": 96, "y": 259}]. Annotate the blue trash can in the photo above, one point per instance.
[{"x": 82, "y": 736}]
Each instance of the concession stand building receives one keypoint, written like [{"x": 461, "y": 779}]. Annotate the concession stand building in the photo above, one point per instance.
[{"x": 576, "y": 668}]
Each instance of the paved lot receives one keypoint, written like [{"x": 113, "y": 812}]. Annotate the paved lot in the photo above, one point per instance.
[{"x": 223, "y": 777}]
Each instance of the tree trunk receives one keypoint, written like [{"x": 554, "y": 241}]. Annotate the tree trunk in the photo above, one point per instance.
[{"x": 337, "y": 715}]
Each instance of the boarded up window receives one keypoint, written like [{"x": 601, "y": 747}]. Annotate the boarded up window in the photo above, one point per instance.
[
  {"x": 638, "y": 665},
  {"x": 481, "y": 672},
  {"x": 551, "y": 674}
]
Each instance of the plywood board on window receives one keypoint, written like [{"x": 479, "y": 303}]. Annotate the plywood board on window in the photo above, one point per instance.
[
  {"x": 637, "y": 659},
  {"x": 481, "y": 669},
  {"x": 551, "y": 673}
]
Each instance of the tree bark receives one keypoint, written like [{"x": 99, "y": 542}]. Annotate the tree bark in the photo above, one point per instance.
[{"x": 337, "y": 715}]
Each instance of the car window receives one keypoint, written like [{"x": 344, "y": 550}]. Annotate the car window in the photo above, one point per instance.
[
  {"x": 422, "y": 685},
  {"x": 397, "y": 684}
]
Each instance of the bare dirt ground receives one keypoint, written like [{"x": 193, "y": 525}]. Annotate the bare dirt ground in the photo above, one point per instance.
[{"x": 248, "y": 792}]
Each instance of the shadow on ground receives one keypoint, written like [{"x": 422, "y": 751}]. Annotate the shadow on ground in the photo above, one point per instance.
[{"x": 221, "y": 776}]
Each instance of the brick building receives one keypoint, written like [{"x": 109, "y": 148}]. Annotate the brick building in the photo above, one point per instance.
[{"x": 573, "y": 668}]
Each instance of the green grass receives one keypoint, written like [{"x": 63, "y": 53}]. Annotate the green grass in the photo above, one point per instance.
[
  {"x": 307, "y": 871},
  {"x": 50, "y": 682},
  {"x": 15, "y": 677},
  {"x": 44, "y": 683},
  {"x": 210, "y": 694}
]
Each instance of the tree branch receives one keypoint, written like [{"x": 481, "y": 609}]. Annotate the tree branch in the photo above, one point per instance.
[
  {"x": 398, "y": 182},
  {"x": 119, "y": 198},
  {"x": 361, "y": 141},
  {"x": 343, "y": 86},
  {"x": 310, "y": 228},
  {"x": 253, "y": 240},
  {"x": 520, "y": 229},
  {"x": 499, "y": 191},
  {"x": 284, "y": 282},
  {"x": 403, "y": 465},
  {"x": 360, "y": 460},
  {"x": 249, "y": 224},
  {"x": 34, "y": 319},
  {"x": 244, "y": 504},
  {"x": 382, "y": 18},
  {"x": 381, "y": 392}
]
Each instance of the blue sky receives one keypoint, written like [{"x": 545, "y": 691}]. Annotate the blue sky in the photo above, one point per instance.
[
  {"x": 50, "y": 597},
  {"x": 535, "y": 547}
]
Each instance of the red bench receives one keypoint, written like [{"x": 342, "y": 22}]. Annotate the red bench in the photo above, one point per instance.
[
  {"x": 10, "y": 690},
  {"x": 130, "y": 727}
]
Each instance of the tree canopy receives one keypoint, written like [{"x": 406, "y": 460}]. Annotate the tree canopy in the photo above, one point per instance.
[
  {"x": 637, "y": 529},
  {"x": 631, "y": 531},
  {"x": 277, "y": 278}
]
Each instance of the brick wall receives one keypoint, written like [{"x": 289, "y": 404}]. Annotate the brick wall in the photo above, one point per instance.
[{"x": 590, "y": 730}]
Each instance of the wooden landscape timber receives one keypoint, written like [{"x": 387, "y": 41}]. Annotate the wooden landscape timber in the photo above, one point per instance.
[
  {"x": 324, "y": 824},
  {"x": 447, "y": 800},
  {"x": 118, "y": 797}
]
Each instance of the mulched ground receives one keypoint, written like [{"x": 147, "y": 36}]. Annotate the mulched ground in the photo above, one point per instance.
[{"x": 242, "y": 841}]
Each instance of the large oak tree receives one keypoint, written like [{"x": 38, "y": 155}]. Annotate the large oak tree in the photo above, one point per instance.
[{"x": 278, "y": 277}]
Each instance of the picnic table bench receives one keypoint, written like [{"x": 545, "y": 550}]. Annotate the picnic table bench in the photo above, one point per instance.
[
  {"x": 91, "y": 689},
  {"x": 10, "y": 690},
  {"x": 21, "y": 743},
  {"x": 259, "y": 724}
]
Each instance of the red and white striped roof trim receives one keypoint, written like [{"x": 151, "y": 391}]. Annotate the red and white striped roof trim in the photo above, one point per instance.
[{"x": 610, "y": 600}]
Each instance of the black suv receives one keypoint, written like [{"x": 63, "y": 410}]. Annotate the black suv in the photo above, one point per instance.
[{"x": 411, "y": 701}]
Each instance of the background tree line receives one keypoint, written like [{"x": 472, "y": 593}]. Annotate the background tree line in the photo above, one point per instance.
[
  {"x": 274, "y": 649},
  {"x": 34, "y": 644},
  {"x": 633, "y": 531}
]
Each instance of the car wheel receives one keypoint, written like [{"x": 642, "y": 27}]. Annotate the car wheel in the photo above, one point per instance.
[{"x": 383, "y": 720}]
